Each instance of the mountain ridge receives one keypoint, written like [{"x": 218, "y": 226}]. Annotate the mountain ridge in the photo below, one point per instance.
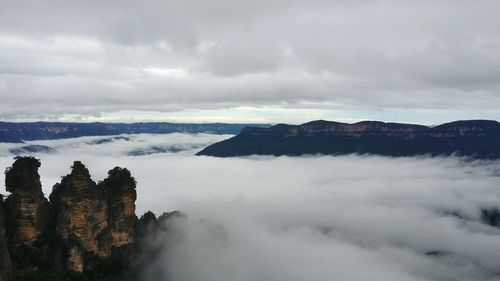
[
  {"x": 17, "y": 132},
  {"x": 477, "y": 138}
]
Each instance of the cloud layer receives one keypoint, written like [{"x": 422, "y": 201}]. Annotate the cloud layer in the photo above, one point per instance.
[
  {"x": 309, "y": 218},
  {"x": 342, "y": 218},
  {"x": 98, "y": 58}
]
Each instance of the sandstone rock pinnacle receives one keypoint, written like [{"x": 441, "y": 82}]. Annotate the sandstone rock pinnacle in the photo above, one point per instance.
[
  {"x": 26, "y": 204},
  {"x": 82, "y": 217}
]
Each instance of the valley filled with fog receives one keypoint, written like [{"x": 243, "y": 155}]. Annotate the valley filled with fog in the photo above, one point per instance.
[{"x": 297, "y": 218}]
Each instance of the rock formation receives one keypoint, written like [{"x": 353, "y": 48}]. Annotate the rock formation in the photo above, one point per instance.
[
  {"x": 95, "y": 221},
  {"x": 473, "y": 138},
  {"x": 87, "y": 231},
  {"x": 82, "y": 217},
  {"x": 148, "y": 225},
  {"x": 119, "y": 188},
  {"x": 27, "y": 205},
  {"x": 5, "y": 262}
]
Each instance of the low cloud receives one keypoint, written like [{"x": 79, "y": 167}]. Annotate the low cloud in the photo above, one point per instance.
[
  {"x": 342, "y": 218},
  {"x": 308, "y": 218}
]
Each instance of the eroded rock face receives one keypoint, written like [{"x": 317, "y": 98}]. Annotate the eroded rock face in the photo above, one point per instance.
[
  {"x": 29, "y": 209},
  {"x": 119, "y": 188},
  {"x": 148, "y": 225},
  {"x": 95, "y": 221},
  {"x": 82, "y": 217},
  {"x": 86, "y": 228},
  {"x": 5, "y": 262}
]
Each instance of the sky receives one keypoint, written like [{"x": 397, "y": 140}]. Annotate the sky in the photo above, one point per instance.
[
  {"x": 347, "y": 218},
  {"x": 265, "y": 61}
]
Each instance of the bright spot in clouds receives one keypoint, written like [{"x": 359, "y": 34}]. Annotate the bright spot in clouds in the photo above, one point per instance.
[{"x": 170, "y": 72}]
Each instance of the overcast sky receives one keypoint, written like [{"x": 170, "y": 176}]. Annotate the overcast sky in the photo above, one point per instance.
[{"x": 250, "y": 61}]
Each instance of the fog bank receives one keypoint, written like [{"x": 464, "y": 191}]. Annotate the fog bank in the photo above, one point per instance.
[{"x": 308, "y": 218}]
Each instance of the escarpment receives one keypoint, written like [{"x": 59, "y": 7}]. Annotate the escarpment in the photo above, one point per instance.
[
  {"x": 87, "y": 231},
  {"x": 472, "y": 138}
]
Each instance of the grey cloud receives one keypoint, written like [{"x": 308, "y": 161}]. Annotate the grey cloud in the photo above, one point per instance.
[{"x": 377, "y": 55}]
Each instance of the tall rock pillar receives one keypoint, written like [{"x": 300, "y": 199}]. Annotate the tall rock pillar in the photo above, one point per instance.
[
  {"x": 82, "y": 218},
  {"x": 26, "y": 205},
  {"x": 119, "y": 188}
]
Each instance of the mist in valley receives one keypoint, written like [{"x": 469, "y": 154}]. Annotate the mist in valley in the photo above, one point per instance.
[{"x": 353, "y": 217}]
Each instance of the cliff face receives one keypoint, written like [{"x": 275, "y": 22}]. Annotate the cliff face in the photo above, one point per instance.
[
  {"x": 5, "y": 262},
  {"x": 327, "y": 128},
  {"x": 82, "y": 217},
  {"x": 477, "y": 138},
  {"x": 473, "y": 128},
  {"x": 119, "y": 188},
  {"x": 27, "y": 206},
  {"x": 95, "y": 221}
]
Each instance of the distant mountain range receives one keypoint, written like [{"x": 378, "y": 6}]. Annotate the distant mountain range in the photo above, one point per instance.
[
  {"x": 19, "y": 132},
  {"x": 476, "y": 138}
]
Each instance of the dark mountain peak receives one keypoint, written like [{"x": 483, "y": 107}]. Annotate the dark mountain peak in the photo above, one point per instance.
[
  {"x": 78, "y": 169},
  {"x": 371, "y": 123},
  {"x": 321, "y": 126},
  {"x": 322, "y": 123},
  {"x": 470, "y": 124},
  {"x": 174, "y": 214},
  {"x": 148, "y": 217},
  {"x": 387, "y": 124},
  {"x": 148, "y": 225},
  {"x": 281, "y": 126}
]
